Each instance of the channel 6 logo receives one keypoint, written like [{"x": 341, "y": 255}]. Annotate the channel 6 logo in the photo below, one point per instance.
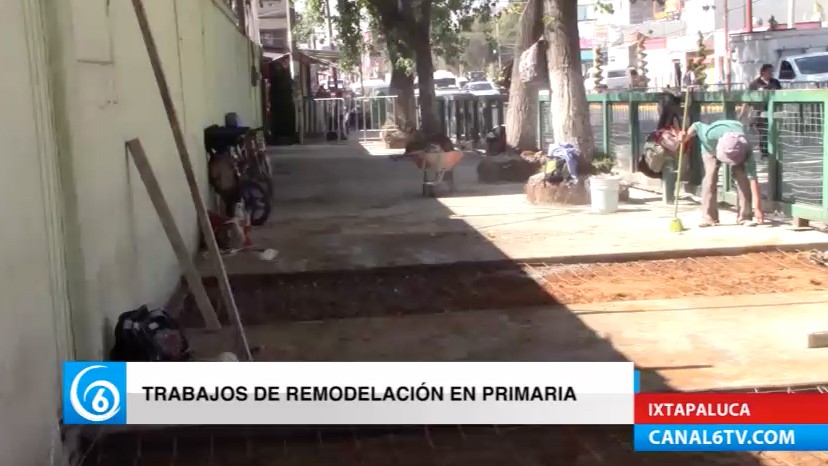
[{"x": 94, "y": 392}]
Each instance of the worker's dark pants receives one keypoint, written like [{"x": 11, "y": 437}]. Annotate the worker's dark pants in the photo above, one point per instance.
[
  {"x": 761, "y": 125},
  {"x": 710, "y": 185}
]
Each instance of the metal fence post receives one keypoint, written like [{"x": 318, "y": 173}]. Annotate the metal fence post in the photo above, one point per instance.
[
  {"x": 607, "y": 117},
  {"x": 729, "y": 114},
  {"x": 476, "y": 119},
  {"x": 774, "y": 172},
  {"x": 487, "y": 115},
  {"x": 635, "y": 133},
  {"x": 824, "y": 158},
  {"x": 459, "y": 120}
]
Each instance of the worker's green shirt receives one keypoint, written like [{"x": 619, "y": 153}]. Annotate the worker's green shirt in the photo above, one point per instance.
[{"x": 709, "y": 135}]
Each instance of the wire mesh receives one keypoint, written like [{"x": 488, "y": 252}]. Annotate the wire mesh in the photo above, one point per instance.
[
  {"x": 823, "y": 389},
  {"x": 371, "y": 116},
  {"x": 800, "y": 149},
  {"x": 647, "y": 122},
  {"x": 596, "y": 120},
  {"x": 620, "y": 139}
]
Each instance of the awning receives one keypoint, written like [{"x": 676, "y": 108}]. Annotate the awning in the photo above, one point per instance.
[
  {"x": 302, "y": 57},
  {"x": 275, "y": 56},
  {"x": 324, "y": 56}
]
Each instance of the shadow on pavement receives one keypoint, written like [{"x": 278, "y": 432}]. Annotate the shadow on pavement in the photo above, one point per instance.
[{"x": 343, "y": 209}]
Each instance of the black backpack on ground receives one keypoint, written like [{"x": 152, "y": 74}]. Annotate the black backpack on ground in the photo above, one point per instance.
[{"x": 144, "y": 335}]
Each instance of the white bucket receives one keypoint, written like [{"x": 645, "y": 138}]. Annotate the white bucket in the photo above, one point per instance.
[{"x": 603, "y": 191}]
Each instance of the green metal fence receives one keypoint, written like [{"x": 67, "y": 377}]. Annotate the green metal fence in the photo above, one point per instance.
[{"x": 793, "y": 176}]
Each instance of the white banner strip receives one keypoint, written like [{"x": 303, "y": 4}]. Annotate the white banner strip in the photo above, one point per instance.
[{"x": 349, "y": 393}]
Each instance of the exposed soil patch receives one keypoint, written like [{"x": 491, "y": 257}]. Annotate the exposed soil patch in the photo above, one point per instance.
[{"x": 417, "y": 290}]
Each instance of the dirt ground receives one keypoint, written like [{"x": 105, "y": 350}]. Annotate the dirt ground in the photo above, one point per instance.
[
  {"x": 422, "y": 290},
  {"x": 759, "y": 273},
  {"x": 352, "y": 233},
  {"x": 414, "y": 446}
]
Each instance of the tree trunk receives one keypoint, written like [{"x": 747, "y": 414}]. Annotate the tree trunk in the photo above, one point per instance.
[
  {"x": 402, "y": 86},
  {"x": 410, "y": 21},
  {"x": 521, "y": 121},
  {"x": 430, "y": 124},
  {"x": 568, "y": 110}
]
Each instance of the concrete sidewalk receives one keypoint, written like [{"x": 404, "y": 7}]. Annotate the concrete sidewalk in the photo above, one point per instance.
[
  {"x": 699, "y": 343},
  {"x": 340, "y": 207}
]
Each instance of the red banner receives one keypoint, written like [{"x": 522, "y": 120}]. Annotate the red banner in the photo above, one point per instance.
[{"x": 741, "y": 408}]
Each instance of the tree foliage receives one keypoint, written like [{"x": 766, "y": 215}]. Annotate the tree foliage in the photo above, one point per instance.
[
  {"x": 308, "y": 20},
  {"x": 449, "y": 20},
  {"x": 351, "y": 40}
]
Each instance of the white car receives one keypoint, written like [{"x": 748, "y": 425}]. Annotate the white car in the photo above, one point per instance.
[
  {"x": 482, "y": 88},
  {"x": 444, "y": 91},
  {"x": 613, "y": 80}
]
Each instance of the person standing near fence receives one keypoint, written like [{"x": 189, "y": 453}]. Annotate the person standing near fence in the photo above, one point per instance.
[
  {"x": 765, "y": 82},
  {"x": 725, "y": 141}
]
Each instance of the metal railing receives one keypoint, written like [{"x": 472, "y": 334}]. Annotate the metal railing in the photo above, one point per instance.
[
  {"x": 464, "y": 118},
  {"x": 338, "y": 118},
  {"x": 467, "y": 118},
  {"x": 795, "y": 171}
]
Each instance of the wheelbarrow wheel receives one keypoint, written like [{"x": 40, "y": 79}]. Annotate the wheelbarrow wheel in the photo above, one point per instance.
[
  {"x": 449, "y": 178},
  {"x": 428, "y": 188},
  {"x": 257, "y": 202}
]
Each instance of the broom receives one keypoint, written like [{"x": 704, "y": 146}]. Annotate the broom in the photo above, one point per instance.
[{"x": 675, "y": 225}]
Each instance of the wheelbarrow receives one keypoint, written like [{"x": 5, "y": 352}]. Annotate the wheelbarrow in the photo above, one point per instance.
[{"x": 437, "y": 168}]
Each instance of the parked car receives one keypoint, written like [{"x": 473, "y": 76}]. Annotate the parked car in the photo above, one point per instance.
[
  {"x": 445, "y": 91},
  {"x": 482, "y": 88},
  {"x": 810, "y": 70}
]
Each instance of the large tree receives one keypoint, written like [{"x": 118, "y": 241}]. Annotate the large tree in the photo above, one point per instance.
[
  {"x": 569, "y": 110},
  {"x": 409, "y": 22},
  {"x": 521, "y": 130},
  {"x": 402, "y": 82},
  {"x": 414, "y": 29},
  {"x": 412, "y": 26}
]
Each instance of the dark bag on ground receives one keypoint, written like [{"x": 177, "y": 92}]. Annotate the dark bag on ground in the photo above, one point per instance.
[
  {"x": 142, "y": 335},
  {"x": 496, "y": 140},
  {"x": 505, "y": 169}
]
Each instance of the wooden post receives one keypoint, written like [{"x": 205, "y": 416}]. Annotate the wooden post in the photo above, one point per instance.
[
  {"x": 184, "y": 155},
  {"x": 211, "y": 320},
  {"x": 818, "y": 340}
]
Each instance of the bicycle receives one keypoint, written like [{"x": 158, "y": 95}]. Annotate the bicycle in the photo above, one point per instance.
[{"x": 239, "y": 171}]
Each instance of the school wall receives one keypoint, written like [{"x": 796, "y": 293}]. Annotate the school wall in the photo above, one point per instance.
[
  {"x": 34, "y": 328},
  {"x": 81, "y": 241},
  {"x": 105, "y": 94}
]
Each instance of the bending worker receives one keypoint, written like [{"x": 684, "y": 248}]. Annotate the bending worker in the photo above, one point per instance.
[{"x": 725, "y": 141}]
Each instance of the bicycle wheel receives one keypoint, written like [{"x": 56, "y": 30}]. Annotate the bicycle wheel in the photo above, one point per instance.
[
  {"x": 264, "y": 164},
  {"x": 267, "y": 183},
  {"x": 257, "y": 202}
]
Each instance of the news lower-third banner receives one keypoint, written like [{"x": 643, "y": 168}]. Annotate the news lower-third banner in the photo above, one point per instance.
[
  {"x": 349, "y": 393},
  {"x": 731, "y": 422}
]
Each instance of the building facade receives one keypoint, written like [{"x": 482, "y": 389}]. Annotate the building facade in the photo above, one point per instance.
[
  {"x": 83, "y": 243},
  {"x": 602, "y": 23},
  {"x": 274, "y": 25}
]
